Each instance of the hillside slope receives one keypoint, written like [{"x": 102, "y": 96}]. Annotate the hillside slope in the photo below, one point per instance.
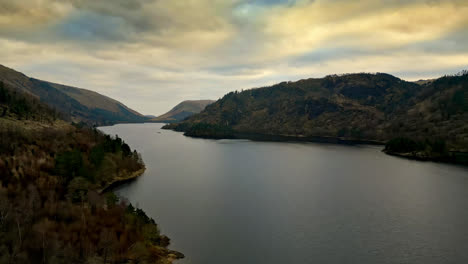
[
  {"x": 183, "y": 110},
  {"x": 51, "y": 176},
  {"x": 363, "y": 107},
  {"x": 78, "y": 105}
]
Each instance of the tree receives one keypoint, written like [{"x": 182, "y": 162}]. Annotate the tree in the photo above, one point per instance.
[
  {"x": 68, "y": 164},
  {"x": 126, "y": 150},
  {"x": 4, "y": 95},
  {"x": 97, "y": 155}
]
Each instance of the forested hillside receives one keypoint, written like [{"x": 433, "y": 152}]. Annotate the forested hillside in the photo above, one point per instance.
[
  {"x": 52, "y": 174},
  {"x": 75, "y": 104},
  {"x": 363, "y": 107}
]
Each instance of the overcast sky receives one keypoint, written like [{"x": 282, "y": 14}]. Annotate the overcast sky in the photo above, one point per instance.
[{"x": 152, "y": 54}]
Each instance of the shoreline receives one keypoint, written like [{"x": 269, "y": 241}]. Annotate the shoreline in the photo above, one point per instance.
[
  {"x": 284, "y": 138},
  {"x": 121, "y": 180},
  {"x": 455, "y": 157},
  {"x": 315, "y": 139}
]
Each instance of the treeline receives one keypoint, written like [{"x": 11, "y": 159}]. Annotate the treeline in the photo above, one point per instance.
[
  {"x": 425, "y": 150},
  {"x": 407, "y": 145},
  {"x": 204, "y": 130},
  {"x": 22, "y": 106},
  {"x": 99, "y": 165},
  {"x": 51, "y": 209},
  {"x": 350, "y": 106},
  {"x": 73, "y": 153}
]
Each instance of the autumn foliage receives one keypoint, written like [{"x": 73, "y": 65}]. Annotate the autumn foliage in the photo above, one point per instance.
[{"x": 51, "y": 210}]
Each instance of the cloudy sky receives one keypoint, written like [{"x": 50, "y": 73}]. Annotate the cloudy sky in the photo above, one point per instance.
[{"x": 152, "y": 54}]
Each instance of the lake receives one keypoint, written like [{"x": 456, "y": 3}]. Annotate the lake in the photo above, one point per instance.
[{"x": 239, "y": 201}]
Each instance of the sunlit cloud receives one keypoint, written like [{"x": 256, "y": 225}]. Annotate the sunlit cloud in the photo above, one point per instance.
[{"x": 151, "y": 54}]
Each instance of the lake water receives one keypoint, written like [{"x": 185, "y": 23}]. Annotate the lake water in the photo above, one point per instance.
[{"x": 244, "y": 202}]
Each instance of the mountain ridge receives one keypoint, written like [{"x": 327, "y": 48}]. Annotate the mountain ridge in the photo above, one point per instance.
[
  {"x": 77, "y": 104},
  {"x": 183, "y": 110}
]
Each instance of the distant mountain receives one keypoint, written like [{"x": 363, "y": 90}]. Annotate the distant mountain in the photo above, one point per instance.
[
  {"x": 423, "y": 82},
  {"x": 75, "y": 104},
  {"x": 183, "y": 110},
  {"x": 359, "y": 107}
]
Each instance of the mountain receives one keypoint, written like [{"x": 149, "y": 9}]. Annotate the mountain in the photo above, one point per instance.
[
  {"x": 422, "y": 82},
  {"x": 76, "y": 104},
  {"x": 357, "y": 107},
  {"x": 183, "y": 110}
]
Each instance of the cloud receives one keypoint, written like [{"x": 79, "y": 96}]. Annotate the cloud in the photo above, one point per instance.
[
  {"x": 151, "y": 54},
  {"x": 372, "y": 25}
]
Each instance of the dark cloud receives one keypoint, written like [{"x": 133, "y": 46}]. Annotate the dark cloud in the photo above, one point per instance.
[
  {"x": 90, "y": 26},
  {"x": 451, "y": 43},
  {"x": 131, "y": 12}
]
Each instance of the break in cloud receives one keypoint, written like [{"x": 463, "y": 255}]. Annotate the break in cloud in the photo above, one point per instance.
[{"x": 152, "y": 54}]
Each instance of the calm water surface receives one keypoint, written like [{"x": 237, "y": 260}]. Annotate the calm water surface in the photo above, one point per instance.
[{"x": 238, "y": 201}]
